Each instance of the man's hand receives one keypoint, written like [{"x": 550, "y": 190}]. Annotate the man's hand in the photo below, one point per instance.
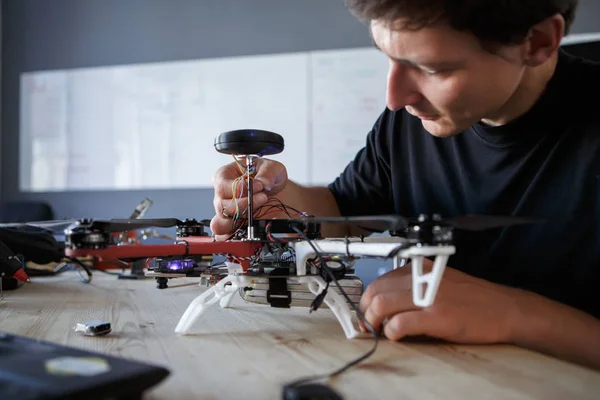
[
  {"x": 466, "y": 309},
  {"x": 475, "y": 311},
  {"x": 270, "y": 179}
]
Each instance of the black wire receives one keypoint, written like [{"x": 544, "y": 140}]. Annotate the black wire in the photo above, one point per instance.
[
  {"x": 121, "y": 266},
  {"x": 280, "y": 206},
  {"x": 358, "y": 313},
  {"x": 240, "y": 230},
  {"x": 110, "y": 273},
  {"x": 84, "y": 267},
  {"x": 259, "y": 213}
]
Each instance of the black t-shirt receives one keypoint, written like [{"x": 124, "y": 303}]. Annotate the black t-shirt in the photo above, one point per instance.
[{"x": 545, "y": 163}]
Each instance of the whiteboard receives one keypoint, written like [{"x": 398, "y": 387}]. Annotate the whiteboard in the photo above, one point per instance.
[
  {"x": 152, "y": 126},
  {"x": 579, "y": 38},
  {"x": 348, "y": 95}
]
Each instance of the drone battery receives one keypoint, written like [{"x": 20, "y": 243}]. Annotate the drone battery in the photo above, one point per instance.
[{"x": 256, "y": 292}]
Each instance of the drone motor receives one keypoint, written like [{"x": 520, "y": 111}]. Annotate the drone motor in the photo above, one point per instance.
[
  {"x": 190, "y": 227},
  {"x": 83, "y": 236},
  {"x": 428, "y": 230}
]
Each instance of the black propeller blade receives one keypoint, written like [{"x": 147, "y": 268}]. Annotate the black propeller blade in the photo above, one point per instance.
[
  {"x": 382, "y": 223},
  {"x": 55, "y": 226},
  {"x": 374, "y": 223},
  {"x": 121, "y": 225},
  {"x": 472, "y": 222},
  {"x": 109, "y": 225}
]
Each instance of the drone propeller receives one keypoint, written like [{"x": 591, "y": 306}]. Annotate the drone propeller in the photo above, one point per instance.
[
  {"x": 109, "y": 225},
  {"x": 474, "y": 222},
  {"x": 382, "y": 223},
  {"x": 374, "y": 223},
  {"x": 121, "y": 225},
  {"x": 53, "y": 226}
]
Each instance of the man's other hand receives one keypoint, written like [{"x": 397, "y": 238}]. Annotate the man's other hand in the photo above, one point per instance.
[{"x": 465, "y": 310}]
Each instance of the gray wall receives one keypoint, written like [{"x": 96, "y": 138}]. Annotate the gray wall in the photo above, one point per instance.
[
  {"x": 588, "y": 17},
  {"x": 1, "y": 59},
  {"x": 42, "y": 34}
]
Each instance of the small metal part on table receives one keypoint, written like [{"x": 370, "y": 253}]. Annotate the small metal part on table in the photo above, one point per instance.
[{"x": 93, "y": 328}]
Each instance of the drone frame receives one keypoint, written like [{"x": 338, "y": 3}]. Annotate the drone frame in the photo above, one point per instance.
[
  {"x": 240, "y": 253},
  {"x": 425, "y": 284},
  {"x": 425, "y": 238}
]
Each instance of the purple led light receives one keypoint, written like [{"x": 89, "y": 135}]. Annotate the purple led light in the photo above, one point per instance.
[{"x": 178, "y": 265}]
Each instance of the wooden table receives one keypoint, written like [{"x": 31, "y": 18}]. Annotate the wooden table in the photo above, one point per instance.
[{"x": 249, "y": 351}]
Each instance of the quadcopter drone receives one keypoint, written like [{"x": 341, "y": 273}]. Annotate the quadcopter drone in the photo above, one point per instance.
[{"x": 266, "y": 259}]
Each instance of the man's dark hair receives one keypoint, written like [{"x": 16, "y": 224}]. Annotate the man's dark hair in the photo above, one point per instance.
[{"x": 491, "y": 21}]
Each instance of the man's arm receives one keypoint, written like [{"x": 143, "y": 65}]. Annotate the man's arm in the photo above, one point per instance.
[
  {"x": 549, "y": 327},
  {"x": 320, "y": 202}
]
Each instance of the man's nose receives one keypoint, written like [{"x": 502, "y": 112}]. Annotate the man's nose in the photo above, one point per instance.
[{"x": 401, "y": 89}]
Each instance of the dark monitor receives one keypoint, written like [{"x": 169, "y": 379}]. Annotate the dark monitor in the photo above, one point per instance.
[
  {"x": 33, "y": 369},
  {"x": 589, "y": 50}
]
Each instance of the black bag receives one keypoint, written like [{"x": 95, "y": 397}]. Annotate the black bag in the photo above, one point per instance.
[{"x": 33, "y": 244}]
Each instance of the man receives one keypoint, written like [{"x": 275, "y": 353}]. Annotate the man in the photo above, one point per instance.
[{"x": 486, "y": 115}]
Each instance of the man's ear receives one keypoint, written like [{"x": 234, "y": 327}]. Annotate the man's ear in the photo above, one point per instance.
[{"x": 543, "y": 40}]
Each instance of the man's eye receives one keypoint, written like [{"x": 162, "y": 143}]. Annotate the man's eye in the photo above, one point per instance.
[
  {"x": 430, "y": 71},
  {"x": 435, "y": 71}
]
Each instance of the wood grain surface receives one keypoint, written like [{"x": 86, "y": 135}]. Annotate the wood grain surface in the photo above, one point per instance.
[{"x": 249, "y": 351}]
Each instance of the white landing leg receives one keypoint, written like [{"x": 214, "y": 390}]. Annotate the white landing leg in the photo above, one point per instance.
[
  {"x": 223, "y": 291},
  {"x": 399, "y": 262},
  {"x": 334, "y": 300},
  {"x": 425, "y": 286}
]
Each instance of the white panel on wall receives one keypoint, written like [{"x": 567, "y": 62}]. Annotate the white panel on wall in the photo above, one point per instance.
[
  {"x": 348, "y": 94},
  {"x": 581, "y": 38},
  {"x": 152, "y": 126},
  {"x": 0, "y": 93}
]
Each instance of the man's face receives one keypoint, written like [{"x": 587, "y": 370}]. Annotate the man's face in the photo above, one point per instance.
[{"x": 445, "y": 77}]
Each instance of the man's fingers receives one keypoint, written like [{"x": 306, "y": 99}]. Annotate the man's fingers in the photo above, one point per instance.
[
  {"x": 228, "y": 208},
  {"x": 386, "y": 304},
  {"x": 271, "y": 174},
  {"x": 399, "y": 279},
  {"x": 221, "y": 238},
  {"x": 223, "y": 182},
  {"x": 414, "y": 323},
  {"x": 221, "y": 226},
  {"x": 223, "y": 178},
  {"x": 393, "y": 281},
  {"x": 225, "y": 210},
  {"x": 226, "y": 189}
]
